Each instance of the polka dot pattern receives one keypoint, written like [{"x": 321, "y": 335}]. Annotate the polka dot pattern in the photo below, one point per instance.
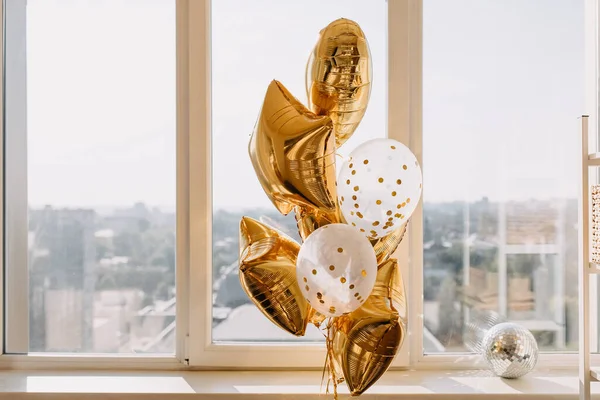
[
  {"x": 385, "y": 179},
  {"x": 334, "y": 263}
]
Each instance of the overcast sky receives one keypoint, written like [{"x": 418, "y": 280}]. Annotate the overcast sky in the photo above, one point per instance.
[{"x": 503, "y": 87}]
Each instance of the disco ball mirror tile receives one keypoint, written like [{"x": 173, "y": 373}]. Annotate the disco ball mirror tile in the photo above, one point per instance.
[{"x": 510, "y": 350}]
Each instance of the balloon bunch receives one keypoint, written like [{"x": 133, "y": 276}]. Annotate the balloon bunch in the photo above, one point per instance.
[{"x": 343, "y": 272}]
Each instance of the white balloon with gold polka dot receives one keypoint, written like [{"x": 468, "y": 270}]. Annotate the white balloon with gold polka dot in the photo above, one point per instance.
[
  {"x": 336, "y": 269},
  {"x": 379, "y": 186}
]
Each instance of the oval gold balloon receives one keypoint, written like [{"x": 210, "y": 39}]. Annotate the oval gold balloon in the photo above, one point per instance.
[
  {"x": 293, "y": 153},
  {"x": 268, "y": 275},
  {"x": 338, "y": 76},
  {"x": 366, "y": 340}
]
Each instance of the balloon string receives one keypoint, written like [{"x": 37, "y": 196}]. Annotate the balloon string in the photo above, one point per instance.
[
  {"x": 326, "y": 359},
  {"x": 329, "y": 360}
]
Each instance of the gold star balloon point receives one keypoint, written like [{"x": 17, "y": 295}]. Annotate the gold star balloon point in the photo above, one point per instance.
[
  {"x": 293, "y": 153},
  {"x": 366, "y": 340},
  {"x": 343, "y": 277},
  {"x": 268, "y": 275}
]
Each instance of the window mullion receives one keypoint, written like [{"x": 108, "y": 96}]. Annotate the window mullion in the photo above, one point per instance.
[
  {"x": 198, "y": 179},
  {"x": 2, "y": 167},
  {"x": 183, "y": 201},
  {"x": 15, "y": 227},
  {"x": 404, "y": 124}
]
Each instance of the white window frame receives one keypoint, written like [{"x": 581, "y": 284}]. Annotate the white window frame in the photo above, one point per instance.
[
  {"x": 194, "y": 346},
  {"x": 546, "y": 360},
  {"x": 404, "y": 91},
  {"x": 14, "y": 334}
]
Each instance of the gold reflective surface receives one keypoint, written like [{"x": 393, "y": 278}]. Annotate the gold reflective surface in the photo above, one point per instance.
[
  {"x": 293, "y": 153},
  {"x": 268, "y": 275},
  {"x": 365, "y": 341},
  {"x": 311, "y": 219},
  {"x": 338, "y": 76},
  {"x": 386, "y": 246}
]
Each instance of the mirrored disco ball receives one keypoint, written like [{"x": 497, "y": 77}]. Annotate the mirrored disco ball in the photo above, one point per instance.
[{"x": 510, "y": 350}]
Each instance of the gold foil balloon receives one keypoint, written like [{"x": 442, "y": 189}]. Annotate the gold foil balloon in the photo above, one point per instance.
[
  {"x": 386, "y": 246},
  {"x": 293, "y": 153},
  {"x": 338, "y": 76},
  {"x": 316, "y": 318},
  {"x": 268, "y": 275},
  {"x": 310, "y": 219},
  {"x": 364, "y": 342}
]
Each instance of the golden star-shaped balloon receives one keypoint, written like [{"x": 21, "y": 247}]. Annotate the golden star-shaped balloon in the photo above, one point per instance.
[
  {"x": 268, "y": 275},
  {"x": 293, "y": 153},
  {"x": 363, "y": 342}
]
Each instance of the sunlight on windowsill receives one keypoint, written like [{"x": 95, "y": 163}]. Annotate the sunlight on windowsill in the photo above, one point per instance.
[
  {"x": 474, "y": 384},
  {"x": 107, "y": 384}
]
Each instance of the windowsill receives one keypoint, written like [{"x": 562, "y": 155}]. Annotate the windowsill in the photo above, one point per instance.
[{"x": 17, "y": 385}]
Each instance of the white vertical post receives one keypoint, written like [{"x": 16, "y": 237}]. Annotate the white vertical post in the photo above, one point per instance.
[
  {"x": 592, "y": 104},
  {"x": 15, "y": 257},
  {"x": 584, "y": 258},
  {"x": 592, "y": 92},
  {"x": 2, "y": 238}
]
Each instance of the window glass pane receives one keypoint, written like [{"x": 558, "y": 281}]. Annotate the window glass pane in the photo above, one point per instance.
[
  {"x": 503, "y": 88},
  {"x": 254, "y": 42},
  {"x": 90, "y": 176}
]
